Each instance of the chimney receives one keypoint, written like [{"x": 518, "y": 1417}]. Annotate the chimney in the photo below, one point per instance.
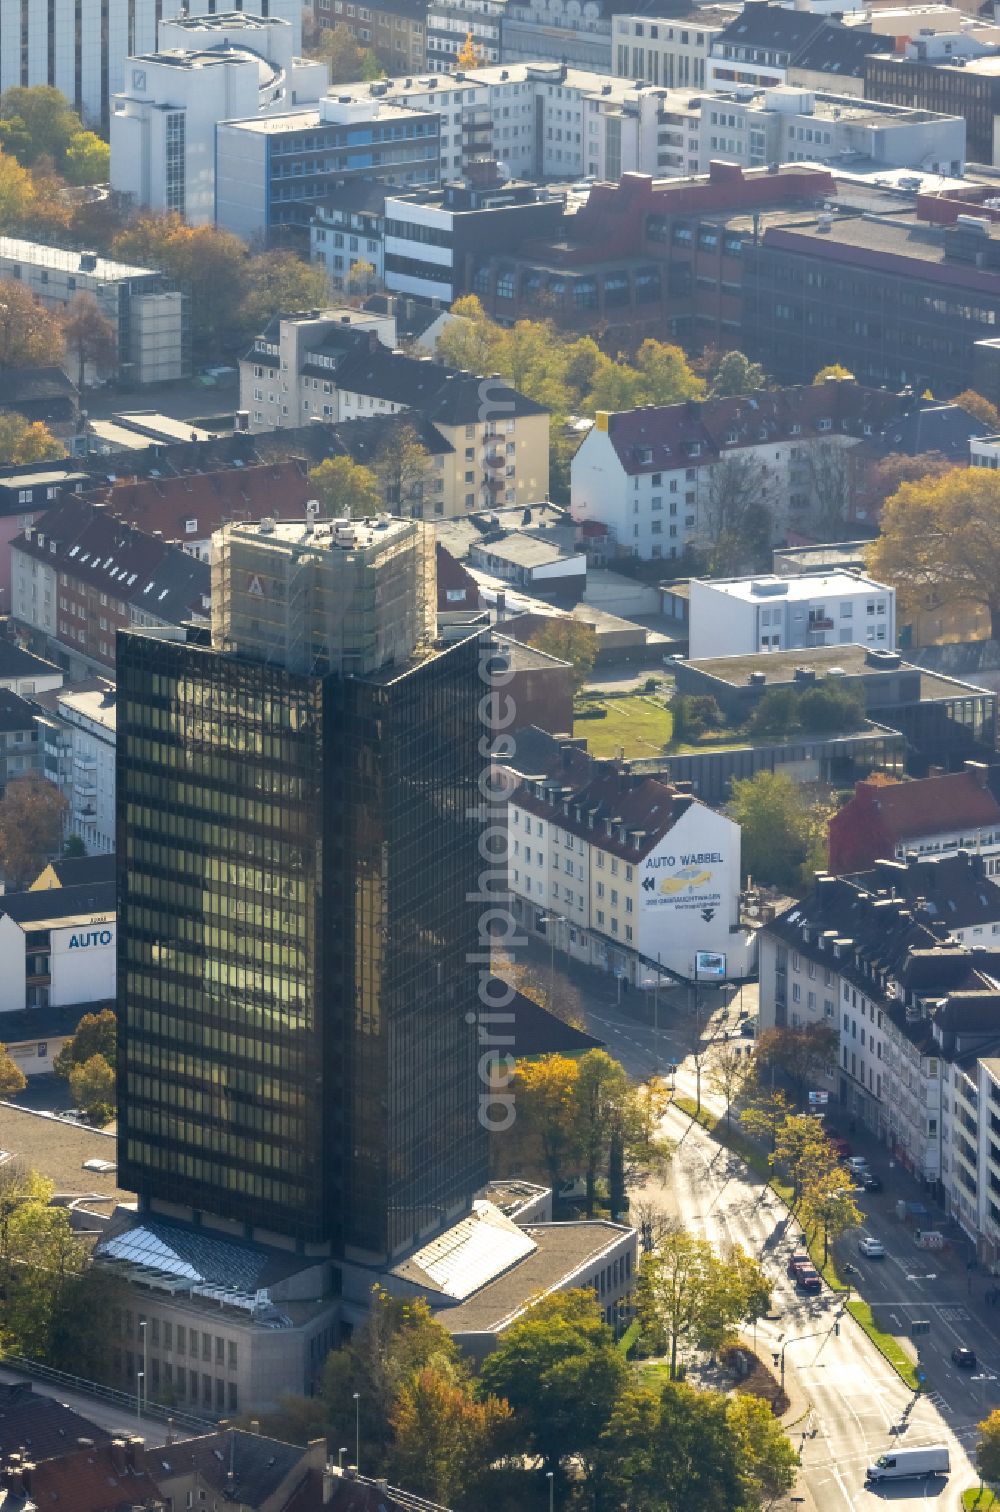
[
  {"x": 136, "y": 1452},
  {"x": 118, "y": 1456},
  {"x": 254, "y": 1425}
]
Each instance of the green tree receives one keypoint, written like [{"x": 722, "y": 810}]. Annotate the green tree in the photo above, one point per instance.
[
  {"x": 29, "y": 335},
  {"x": 12, "y": 1078},
  {"x": 89, "y": 336},
  {"x": 24, "y": 440},
  {"x": 601, "y": 1095},
  {"x": 343, "y": 56},
  {"x": 571, "y": 641},
  {"x": 693, "y": 714},
  {"x": 766, "y": 1456},
  {"x": 37, "y": 122},
  {"x": 87, "y": 159},
  {"x": 96, "y": 1034},
  {"x": 74, "y": 847},
  {"x": 832, "y": 370},
  {"x": 777, "y": 713},
  {"x": 690, "y": 1296},
  {"x": 31, "y": 819},
  {"x": 41, "y": 1266},
  {"x": 766, "y": 1110},
  {"x": 397, "y": 1340},
  {"x": 561, "y": 1372},
  {"x": 444, "y": 1439},
  {"x": 469, "y": 341},
  {"x": 280, "y": 282},
  {"x": 828, "y": 1205},
  {"x": 781, "y": 829},
  {"x": 346, "y": 488},
  {"x": 17, "y": 194},
  {"x": 943, "y": 535},
  {"x": 988, "y": 1449},
  {"x": 734, "y": 375},
  {"x": 93, "y": 1087},
  {"x": 546, "y": 1116}
]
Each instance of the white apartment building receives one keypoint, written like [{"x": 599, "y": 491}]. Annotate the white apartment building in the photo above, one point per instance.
[
  {"x": 148, "y": 316},
  {"x": 740, "y": 616},
  {"x": 82, "y": 47},
  {"x": 627, "y": 872},
  {"x": 207, "y": 69},
  {"x": 276, "y": 390},
  {"x": 58, "y": 948},
  {"x": 76, "y": 734}
]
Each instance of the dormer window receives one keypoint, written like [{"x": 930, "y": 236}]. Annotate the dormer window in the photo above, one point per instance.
[
  {"x": 645, "y": 454},
  {"x": 824, "y": 425},
  {"x": 796, "y": 430},
  {"x": 731, "y": 438}
]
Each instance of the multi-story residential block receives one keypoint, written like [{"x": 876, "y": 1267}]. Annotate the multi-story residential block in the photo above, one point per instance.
[
  {"x": 82, "y": 46},
  {"x": 272, "y": 171},
  {"x": 739, "y": 616},
  {"x": 549, "y": 30},
  {"x": 148, "y": 315},
  {"x": 395, "y": 30},
  {"x": 324, "y": 366},
  {"x": 657, "y": 478},
  {"x": 18, "y": 740},
  {"x": 207, "y": 69},
  {"x": 931, "y": 816},
  {"x": 449, "y": 24},
  {"x": 24, "y": 674},
  {"x": 80, "y": 576},
  {"x": 765, "y": 42},
  {"x": 626, "y": 872},
  {"x": 348, "y": 230},
  {"x": 76, "y": 738}
]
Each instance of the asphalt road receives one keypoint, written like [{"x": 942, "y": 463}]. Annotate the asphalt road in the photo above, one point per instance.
[{"x": 114, "y": 1420}]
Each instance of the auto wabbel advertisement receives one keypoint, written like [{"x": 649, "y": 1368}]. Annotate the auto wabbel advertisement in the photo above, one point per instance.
[{"x": 687, "y": 882}]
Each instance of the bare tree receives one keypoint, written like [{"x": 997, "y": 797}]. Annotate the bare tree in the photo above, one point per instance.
[
  {"x": 738, "y": 517},
  {"x": 90, "y": 336},
  {"x": 830, "y": 486},
  {"x": 730, "y": 1071}
]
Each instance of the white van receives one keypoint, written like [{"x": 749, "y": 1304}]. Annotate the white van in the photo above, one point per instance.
[{"x": 900, "y": 1463}]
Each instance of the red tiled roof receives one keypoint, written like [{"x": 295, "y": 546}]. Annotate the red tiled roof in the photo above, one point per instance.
[
  {"x": 932, "y": 805},
  {"x": 632, "y": 803},
  {"x": 164, "y": 505},
  {"x": 89, "y": 1481},
  {"x": 658, "y": 438}
]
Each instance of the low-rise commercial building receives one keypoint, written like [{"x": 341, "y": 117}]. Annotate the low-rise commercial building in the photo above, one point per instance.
[
  {"x": 740, "y": 616},
  {"x": 58, "y": 947},
  {"x": 148, "y": 315}
]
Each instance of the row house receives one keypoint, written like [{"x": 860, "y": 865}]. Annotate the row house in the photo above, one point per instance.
[
  {"x": 627, "y": 873},
  {"x": 659, "y": 478}
]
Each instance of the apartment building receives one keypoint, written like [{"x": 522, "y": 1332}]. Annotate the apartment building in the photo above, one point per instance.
[
  {"x": 80, "y": 576},
  {"x": 148, "y": 314},
  {"x": 623, "y": 872},
  {"x": 670, "y": 53},
  {"x": 82, "y": 47},
  {"x": 207, "y": 69},
  {"x": 931, "y": 816},
  {"x": 76, "y": 739},
  {"x": 58, "y": 947},
  {"x": 656, "y": 477},
  {"x": 448, "y": 26},
  {"x": 395, "y": 30},
  {"x": 765, "y": 42},
  {"x": 334, "y": 367}
]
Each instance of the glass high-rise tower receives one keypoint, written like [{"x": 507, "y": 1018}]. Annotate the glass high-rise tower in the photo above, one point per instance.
[{"x": 296, "y": 857}]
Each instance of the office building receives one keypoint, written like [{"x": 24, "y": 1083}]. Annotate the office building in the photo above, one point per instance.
[
  {"x": 736, "y": 616},
  {"x": 295, "y": 861},
  {"x": 671, "y": 53},
  {"x": 207, "y": 69},
  {"x": 933, "y": 79},
  {"x": 82, "y": 47},
  {"x": 273, "y": 171},
  {"x": 395, "y": 30},
  {"x": 149, "y": 316}
]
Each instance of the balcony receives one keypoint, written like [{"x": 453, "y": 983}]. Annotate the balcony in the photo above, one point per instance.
[{"x": 820, "y": 624}]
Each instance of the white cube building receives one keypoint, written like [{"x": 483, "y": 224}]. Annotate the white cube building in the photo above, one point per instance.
[{"x": 740, "y": 616}]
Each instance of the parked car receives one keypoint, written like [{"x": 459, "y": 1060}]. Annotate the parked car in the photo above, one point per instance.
[
  {"x": 900, "y": 1463},
  {"x": 857, "y": 1165},
  {"x": 964, "y": 1358},
  {"x": 796, "y": 1258},
  {"x": 871, "y": 1183},
  {"x": 807, "y": 1279},
  {"x": 873, "y": 1248},
  {"x": 842, "y": 1146}
]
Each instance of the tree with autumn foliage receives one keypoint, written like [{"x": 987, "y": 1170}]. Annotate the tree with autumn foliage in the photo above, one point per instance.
[
  {"x": 468, "y": 55},
  {"x": 30, "y": 336},
  {"x": 207, "y": 263},
  {"x": 444, "y": 1439},
  {"x": 90, "y": 336},
  {"x": 24, "y": 440},
  {"x": 346, "y": 488},
  {"x": 31, "y": 819},
  {"x": 942, "y": 535},
  {"x": 547, "y": 1130},
  {"x": 982, "y": 409},
  {"x": 12, "y": 1078}
]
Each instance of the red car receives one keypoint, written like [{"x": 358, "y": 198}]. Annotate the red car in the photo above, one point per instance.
[
  {"x": 796, "y": 1259},
  {"x": 807, "y": 1279}
]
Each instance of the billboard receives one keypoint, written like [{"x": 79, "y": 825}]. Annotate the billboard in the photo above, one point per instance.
[
  {"x": 709, "y": 966},
  {"x": 688, "y": 882},
  {"x": 818, "y": 1099}
]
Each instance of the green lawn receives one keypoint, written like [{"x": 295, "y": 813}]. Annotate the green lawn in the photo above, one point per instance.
[
  {"x": 973, "y": 1501},
  {"x": 640, "y": 725}
]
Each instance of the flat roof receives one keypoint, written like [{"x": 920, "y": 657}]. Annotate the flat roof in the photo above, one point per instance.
[
  {"x": 303, "y": 120},
  {"x": 41, "y": 255},
  {"x": 526, "y": 550},
  {"x": 57, "y": 1149},
  {"x": 93, "y": 703},
  {"x": 778, "y": 667},
  {"x": 562, "y": 1250},
  {"x": 374, "y": 531},
  {"x": 768, "y": 588}
]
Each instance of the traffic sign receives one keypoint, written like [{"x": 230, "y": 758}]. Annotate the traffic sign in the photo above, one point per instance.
[{"x": 921, "y": 1376}]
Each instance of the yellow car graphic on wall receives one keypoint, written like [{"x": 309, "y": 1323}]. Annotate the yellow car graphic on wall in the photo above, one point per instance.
[{"x": 689, "y": 877}]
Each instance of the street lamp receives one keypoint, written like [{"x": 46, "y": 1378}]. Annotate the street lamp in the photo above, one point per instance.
[
  {"x": 340, "y": 1456},
  {"x": 550, "y": 1477},
  {"x": 142, "y": 1330},
  {"x": 357, "y": 1431},
  {"x": 140, "y": 1381},
  {"x": 547, "y": 920}
]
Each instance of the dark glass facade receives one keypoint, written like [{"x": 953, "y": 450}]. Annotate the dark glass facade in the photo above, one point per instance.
[{"x": 295, "y": 855}]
